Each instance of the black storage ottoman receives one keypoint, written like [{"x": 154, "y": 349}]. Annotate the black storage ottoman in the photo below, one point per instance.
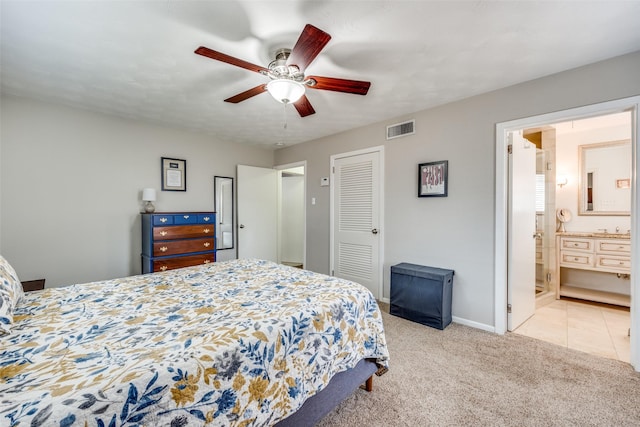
[{"x": 421, "y": 294}]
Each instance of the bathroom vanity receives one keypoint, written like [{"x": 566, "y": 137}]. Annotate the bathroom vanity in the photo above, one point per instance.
[{"x": 600, "y": 252}]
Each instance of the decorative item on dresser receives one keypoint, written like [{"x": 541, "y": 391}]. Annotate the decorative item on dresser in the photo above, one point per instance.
[
  {"x": 177, "y": 239},
  {"x": 148, "y": 197}
]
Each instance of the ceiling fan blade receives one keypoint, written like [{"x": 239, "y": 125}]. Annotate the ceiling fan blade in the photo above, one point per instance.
[
  {"x": 304, "y": 107},
  {"x": 247, "y": 94},
  {"x": 312, "y": 40},
  {"x": 218, "y": 56},
  {"x": 339, "y": 85}
]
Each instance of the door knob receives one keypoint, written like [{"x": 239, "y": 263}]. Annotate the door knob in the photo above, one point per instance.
[
  {"x": 537, "y": 236},
  {"x": 374, "y": 231},
  {"x": 241, "y": 225}
]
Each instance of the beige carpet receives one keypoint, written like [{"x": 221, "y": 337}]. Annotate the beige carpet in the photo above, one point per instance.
[{"x": 466, "y": 377}]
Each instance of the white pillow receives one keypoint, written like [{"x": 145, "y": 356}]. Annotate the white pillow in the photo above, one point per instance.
[{"x": 10, "y": 294}]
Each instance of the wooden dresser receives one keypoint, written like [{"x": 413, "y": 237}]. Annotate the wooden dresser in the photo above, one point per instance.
[
  {"x": 607, "y": 253},
  {"x": 177, "y": 239}
]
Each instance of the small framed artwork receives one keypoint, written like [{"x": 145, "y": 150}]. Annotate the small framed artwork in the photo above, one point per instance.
[
  {"x": 433, "y": 179},
  {"x": 174, "y": 174}
]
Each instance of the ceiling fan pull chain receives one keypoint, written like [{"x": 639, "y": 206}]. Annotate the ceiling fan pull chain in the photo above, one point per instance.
[
  {"x": 284, "y": 115},
  {"x": 284, "y": 127}
]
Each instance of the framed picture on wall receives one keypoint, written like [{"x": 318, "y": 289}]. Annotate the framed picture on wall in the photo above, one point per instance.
[
  {"x": 174, "y": 174},
  {"x": 433, "y": 179}
]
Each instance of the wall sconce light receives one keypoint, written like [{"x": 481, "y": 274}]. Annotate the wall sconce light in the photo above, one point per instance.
[
  {"x": 562, "y": 180},
  {"x": 148, "y": 196}
]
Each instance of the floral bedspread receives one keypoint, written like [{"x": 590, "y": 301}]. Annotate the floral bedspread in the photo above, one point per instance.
[{"x": 240, "y": 343}]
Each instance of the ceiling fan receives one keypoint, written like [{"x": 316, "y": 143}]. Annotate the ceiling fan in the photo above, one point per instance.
[{"x": 288, "y": 81}]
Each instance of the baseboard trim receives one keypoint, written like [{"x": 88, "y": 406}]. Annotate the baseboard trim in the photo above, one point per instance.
[{"x": 471, "y": 323}]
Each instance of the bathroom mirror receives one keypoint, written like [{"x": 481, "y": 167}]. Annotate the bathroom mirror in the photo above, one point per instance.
[
  {"x": 605, "y": 178},
  {"x": 223, "y": 196}
]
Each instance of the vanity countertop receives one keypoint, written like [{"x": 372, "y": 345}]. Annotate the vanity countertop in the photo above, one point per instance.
[{"x": 598, "y": 234}]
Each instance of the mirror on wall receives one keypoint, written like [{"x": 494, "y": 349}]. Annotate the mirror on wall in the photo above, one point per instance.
[
  {"x": 223, "y": 196},
  {"x": 605, "y": 178}
]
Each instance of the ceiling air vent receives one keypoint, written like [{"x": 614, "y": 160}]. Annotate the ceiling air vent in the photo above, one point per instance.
[{"x": 401, "y": 129}]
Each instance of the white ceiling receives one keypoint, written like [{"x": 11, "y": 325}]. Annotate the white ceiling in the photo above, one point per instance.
[{"x": 135, "y": 58}]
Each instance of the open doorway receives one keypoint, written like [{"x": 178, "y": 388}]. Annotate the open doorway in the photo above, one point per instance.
[
  {"x": 502, "y": 202},
  {"x": 582, "y": 250},
  {"x": 291, "y": 215},
  {"x": 271, "y": 213}
]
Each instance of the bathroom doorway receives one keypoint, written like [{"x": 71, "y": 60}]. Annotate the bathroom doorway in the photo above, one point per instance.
[
  {"x": 502, "y": 185},
  {"x": 587, "y": 323}
]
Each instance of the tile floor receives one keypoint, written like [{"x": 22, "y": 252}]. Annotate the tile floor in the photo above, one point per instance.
[{"x": 590, "y": 327}]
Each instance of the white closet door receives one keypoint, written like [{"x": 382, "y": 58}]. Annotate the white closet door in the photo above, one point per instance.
[{"x": 356, "y": 220}]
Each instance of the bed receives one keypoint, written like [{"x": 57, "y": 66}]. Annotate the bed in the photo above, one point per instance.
[{"x": 241, "y": 343}]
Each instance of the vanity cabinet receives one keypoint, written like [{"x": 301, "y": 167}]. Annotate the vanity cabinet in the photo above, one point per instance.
[
  {"x": 593, "y": 252},
  {"x": 177, "y": 239}
]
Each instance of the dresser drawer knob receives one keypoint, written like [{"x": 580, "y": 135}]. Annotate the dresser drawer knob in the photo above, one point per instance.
[
  {"x": 163, "y": 233},
  {"x": 621, "y": 262},
  {"x": 620, "y": 247},
  {"x": 163, "y": 268},
  {"x": 575, "y": 244},
  {"x": 163, "y": 219},
  {"x": 206, "y": 261},
  {"x": 163, "y": 249},
  {"x": 186, "y": 217},
  {"x": 206, "y": 218},
  {"x": 206, "y": 230},
  {"x": 575, "y": 259},
  {"x": 207, "y": 244}
]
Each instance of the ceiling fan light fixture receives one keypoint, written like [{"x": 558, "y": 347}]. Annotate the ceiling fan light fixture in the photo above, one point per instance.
[{"x": 286, "y": 91}]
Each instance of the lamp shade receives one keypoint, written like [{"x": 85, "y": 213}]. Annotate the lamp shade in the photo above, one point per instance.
[
  {"x": 285, "y": 91},
  {"x": 149, "y": 195}
]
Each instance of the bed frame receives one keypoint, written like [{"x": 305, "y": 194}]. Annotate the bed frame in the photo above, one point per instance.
[{"x": 339, "y": 388}]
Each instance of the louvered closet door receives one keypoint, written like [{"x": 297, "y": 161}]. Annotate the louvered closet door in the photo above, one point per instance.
[{"x": 356, "y": 227}]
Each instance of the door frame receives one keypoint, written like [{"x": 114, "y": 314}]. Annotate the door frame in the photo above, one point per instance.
[
  {"x": 381, "y": 232},
  {"x": 280, "y": 168},
  {"x": 501, "y": 208}
]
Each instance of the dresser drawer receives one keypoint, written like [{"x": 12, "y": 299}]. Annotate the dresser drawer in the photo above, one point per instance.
[
  {"x": 173, "y": 247},
  {"x": 162, "y": 219},
  {"x": 622, "y": 247},
  {"x": 576, "y": 244},
  {"x": 185, "y": 219},
  {"x": 182, "y": 231},
  {"x": 576, "y": 259},
  {"x": 620, "y": 264},
  {"x": 183, "y": 261},
  {"x": 205, "y": 219}
]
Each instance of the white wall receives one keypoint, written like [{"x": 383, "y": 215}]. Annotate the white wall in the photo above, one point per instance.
[
  {"x": 71, "y": 183},
  {"x": 567, "y": 164},
  {"x": 455, "y": 232}
]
